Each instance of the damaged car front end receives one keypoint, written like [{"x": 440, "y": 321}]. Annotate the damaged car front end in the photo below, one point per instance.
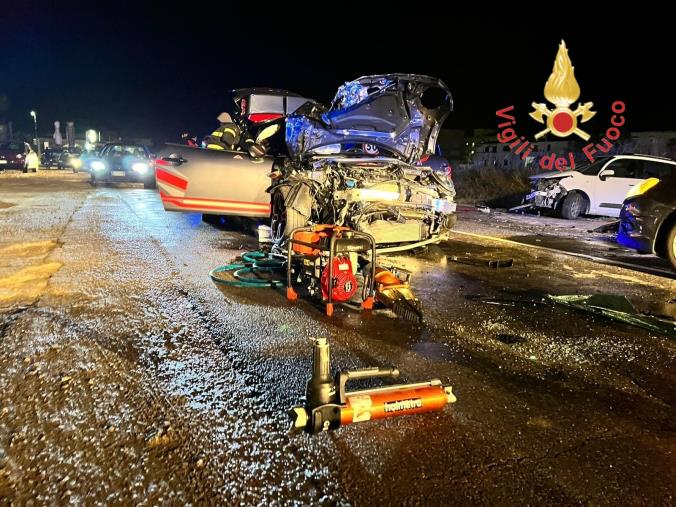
[
  {"x": 368, "y": 162},
  {"x": 546, "y": 192}
]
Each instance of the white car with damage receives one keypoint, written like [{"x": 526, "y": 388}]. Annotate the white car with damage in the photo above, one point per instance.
[{"x": 596, "y": 189}]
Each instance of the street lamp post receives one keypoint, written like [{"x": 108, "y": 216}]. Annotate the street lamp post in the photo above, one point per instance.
[{"x": 35, "y": 131}]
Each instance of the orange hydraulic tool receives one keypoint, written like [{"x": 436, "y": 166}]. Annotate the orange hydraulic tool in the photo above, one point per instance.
[
  {"x": 328, "y": 405},
  {"x": 394, "y": 291}
]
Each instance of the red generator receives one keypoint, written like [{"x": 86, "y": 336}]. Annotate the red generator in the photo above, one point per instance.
[{"x": 328, "y": 260}]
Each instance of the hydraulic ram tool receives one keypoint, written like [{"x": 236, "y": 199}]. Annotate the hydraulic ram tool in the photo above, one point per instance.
[{"x": 328, "y": 404}]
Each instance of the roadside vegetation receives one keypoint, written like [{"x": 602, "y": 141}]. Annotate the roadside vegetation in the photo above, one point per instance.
[{"x": 495, "y": 187}]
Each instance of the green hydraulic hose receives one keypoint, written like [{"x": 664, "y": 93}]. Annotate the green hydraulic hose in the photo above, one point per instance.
[{"x": 252, "y": 262}]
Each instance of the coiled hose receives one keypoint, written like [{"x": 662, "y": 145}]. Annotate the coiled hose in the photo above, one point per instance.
[{"x": 243, "y": 273}]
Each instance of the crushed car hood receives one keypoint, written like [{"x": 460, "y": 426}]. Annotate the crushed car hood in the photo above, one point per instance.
[
  {"x": 553, "y": 175},
  {"x": 398, "y": 114}
]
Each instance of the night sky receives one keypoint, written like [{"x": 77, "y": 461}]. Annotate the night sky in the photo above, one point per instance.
[{"x": 155, "y": 72}]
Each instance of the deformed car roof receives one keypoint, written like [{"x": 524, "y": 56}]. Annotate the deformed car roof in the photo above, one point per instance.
[{"x": 401, "y": 113}]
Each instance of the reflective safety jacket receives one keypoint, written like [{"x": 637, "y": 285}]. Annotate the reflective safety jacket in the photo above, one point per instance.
[{"x": 225, "y": 137}]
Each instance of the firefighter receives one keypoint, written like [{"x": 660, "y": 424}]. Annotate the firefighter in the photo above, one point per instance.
[{"x": 226, "y": 136}]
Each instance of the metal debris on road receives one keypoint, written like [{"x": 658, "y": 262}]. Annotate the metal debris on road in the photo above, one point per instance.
[
  {"x": 482, "y": 262},
  {"x": 612, "y": 226},
  {"x": 618, "y": 308}
]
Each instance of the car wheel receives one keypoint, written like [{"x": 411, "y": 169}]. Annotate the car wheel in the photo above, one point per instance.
[
  {"x": 284, "y": 219},
  {"x": 573, "y": 206},
  {"x": 670, "y": 249},
  {"x": 150, "y": 184},
  {"x": 92, "y": 180},
  {"x": 25, "y": 169}
]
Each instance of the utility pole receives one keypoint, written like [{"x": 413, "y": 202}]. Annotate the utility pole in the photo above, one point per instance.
[{"x": 34, "y": 115}]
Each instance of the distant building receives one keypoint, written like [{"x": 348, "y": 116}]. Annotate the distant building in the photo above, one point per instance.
[
  {"x": 488, "y": 152},
  {"x": 495, "y": 154},
  {"x": 659, "y": 144}
]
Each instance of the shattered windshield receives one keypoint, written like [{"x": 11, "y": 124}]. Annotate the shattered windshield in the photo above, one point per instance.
[{"x": 354, "y": 92}]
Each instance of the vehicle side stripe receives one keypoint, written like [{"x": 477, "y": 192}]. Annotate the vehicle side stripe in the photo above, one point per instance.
[
  {"x": 172, "y": 179},
  {"x": 187, "y": 202}
]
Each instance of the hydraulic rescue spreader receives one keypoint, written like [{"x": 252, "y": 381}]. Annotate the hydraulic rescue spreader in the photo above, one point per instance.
[{"x": 328, "y": 404}]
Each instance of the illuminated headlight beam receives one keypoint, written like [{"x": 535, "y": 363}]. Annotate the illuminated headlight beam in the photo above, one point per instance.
[
  {"x": 140, "y": 167},
  {"x": 97, "y": 165}
]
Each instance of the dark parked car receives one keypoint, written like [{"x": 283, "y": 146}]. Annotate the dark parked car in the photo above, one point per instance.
[
  {"x": 62, "y": 158},
  {"x": 12, "y": 155},
  {"x": 648, "y": 218},
  {"x": 51, "y": 157},
  {"x": 70, "y": 158},
  {"x": 123, "y": 162}
]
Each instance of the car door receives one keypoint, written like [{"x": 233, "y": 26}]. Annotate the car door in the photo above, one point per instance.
[
  {"x": 215, "y": 182},
  {"x": 612, "y": 189}
]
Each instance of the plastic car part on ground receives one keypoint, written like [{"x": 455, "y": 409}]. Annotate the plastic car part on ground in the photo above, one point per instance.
[
  {"x": 478, "y": 261},
  {"x": 617, "y": 308},
  {"x": 607, "y": 227}
]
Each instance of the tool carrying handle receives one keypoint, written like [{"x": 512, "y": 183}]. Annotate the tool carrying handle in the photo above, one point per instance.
[{"x": 343, "y": 377}]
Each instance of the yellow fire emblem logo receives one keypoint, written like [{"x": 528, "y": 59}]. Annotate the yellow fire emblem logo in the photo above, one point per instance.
[{"x": 562, "y": 90}]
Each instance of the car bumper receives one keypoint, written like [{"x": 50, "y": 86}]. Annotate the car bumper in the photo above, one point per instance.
[
  {"x": 547, "y": 198},
  {"x": 11, "y": 165},
  {"x": 124, "y": 176},
  {"x": 636, "y": 231}
]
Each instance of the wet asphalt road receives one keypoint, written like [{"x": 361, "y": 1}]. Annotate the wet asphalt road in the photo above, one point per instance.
[{"x": 126, "y": 376}]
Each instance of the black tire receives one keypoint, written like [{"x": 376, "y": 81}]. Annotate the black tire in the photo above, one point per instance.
[
  {"x": 284, "y": 219},
  {"x": 92, "y": 180},
  {"x": 670, "y": 247},
  {"x": 150, "y": 184},
  {"x": 573, "y": 206},
  {"x": 25, "y": 170}
]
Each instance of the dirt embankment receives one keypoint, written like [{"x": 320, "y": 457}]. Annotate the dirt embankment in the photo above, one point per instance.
[{"x": 500, "y": 188}]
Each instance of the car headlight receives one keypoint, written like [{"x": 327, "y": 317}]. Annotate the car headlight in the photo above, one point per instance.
[
  {"x": 140, "y": 167},
  {"x": 642, "y": 188},
  {"x": 19, "y": 156},
  {"x": 76, "y": 162},
  {"x": 97, "y": 165}
]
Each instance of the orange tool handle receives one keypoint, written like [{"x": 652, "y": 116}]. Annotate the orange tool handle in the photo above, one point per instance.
[{"x": 361, "y": 407}]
